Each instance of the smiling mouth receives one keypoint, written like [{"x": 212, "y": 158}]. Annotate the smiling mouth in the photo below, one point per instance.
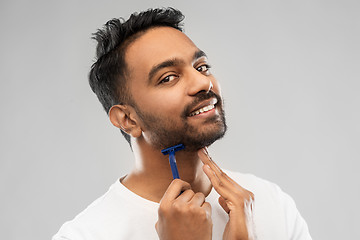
[{"x": 204, "y": 108}]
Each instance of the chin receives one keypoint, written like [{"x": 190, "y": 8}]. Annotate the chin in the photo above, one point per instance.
[
  {"x": 204, "y": 139},
  {"x": 193, "y": 137}
]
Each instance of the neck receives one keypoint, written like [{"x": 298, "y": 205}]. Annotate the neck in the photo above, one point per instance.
[{"x": 152, "y": 175}]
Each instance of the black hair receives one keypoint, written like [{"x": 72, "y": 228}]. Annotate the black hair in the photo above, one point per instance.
[{"x": 107, "y": 77}]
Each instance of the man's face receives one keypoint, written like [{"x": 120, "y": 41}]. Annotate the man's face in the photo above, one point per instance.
[{"x": 176, "y": 97}]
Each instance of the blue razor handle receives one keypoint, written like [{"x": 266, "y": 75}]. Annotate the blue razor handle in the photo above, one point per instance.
[
  {"x": 171, "y": 151},
  {"x": 173, "y": 166}
]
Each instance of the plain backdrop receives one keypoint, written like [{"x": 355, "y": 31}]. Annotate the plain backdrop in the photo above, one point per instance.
[{"x": 289, "y": 71}]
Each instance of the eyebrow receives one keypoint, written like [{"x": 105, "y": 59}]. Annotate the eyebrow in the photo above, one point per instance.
[
  {"x": 172, "y": 62},
  {"x": 199, "y": 54}
]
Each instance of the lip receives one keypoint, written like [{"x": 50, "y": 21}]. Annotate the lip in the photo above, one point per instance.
[{"x": 212, "y": 101}]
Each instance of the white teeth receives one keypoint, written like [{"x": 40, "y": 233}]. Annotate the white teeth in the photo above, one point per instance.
[{"x": 201, "y": 110}]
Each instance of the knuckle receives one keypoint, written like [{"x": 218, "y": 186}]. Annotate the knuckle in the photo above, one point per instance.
[
  {"x": 199, "y": 195},
  {"x": 204, "y": 216},
  {"x": 192, "y": 208},
  {"x": 177, "y": 208},
  {"x": 162, "y": 210},
  {"x": 189, "y": 191},
  {"x": 208, "y": 205},
  {"x": 220, "y": 184},
  {"x": 176, "y": 205},
  {"x": 222, "y": 174},
  {"x": 177, "y": 181}
]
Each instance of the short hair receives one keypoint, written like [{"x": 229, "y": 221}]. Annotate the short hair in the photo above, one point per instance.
[{"x": 107, "y": 77}]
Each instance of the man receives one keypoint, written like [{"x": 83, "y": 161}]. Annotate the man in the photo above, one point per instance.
[{"x": 157, "y": 88}]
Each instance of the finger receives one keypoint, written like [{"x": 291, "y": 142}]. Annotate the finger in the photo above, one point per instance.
[
  {"x": 198, "y": 199},
  {"x": 174, "y": 190},
  {"x": 224, "y": 186},
  {"x": 223, "y": 204},
  {"x": 207, "y": 207},
  {"x": 206, "y": 159},
  {"x": 186, "y": 196},
  {"x": 219, "y": 186}
]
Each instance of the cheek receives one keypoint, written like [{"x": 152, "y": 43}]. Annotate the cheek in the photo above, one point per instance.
[{"x": 162, "y": 103}]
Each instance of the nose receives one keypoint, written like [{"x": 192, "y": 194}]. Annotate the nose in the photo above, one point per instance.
[{"x": 199, "y": 82}]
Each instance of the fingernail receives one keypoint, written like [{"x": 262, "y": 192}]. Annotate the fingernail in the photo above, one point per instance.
[{"x": 206, "y": 151}]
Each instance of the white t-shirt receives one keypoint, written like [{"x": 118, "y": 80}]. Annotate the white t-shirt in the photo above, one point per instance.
[{"x": 121, "y": 214}]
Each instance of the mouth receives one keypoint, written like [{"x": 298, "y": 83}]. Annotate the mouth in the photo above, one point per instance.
[{"x": 204, "y": 107}]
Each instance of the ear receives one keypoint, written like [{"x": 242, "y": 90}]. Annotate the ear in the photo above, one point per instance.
[{"x": 124, "y": 117}]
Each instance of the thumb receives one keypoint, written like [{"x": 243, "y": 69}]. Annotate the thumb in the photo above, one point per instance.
[{"x": 223, "y": 204}]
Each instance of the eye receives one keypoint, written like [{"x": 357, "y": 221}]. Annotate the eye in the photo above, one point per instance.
[
  {"x": 205, "y": 68},
  {"x": 168, "y": 78}
]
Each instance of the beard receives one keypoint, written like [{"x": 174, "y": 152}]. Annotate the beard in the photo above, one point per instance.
[{"x": 166, "y": 132}]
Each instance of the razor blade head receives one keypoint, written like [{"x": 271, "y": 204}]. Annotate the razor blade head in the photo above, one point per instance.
[{"x": 173, "y": 149}]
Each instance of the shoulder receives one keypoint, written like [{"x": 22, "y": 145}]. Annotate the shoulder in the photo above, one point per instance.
[
  {"x": 86, "y": 223},
  {"x": 115, "y": 215}
]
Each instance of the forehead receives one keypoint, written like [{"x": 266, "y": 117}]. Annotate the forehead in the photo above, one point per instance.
[{"x": 157, "y": 45}]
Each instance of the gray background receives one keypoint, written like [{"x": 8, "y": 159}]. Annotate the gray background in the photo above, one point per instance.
[{"x": 290, "y": 77}]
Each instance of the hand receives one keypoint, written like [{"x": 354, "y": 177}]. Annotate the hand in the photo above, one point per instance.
[
  {"x": 234, "y": 199},
  {"x": 183, "y": 215}
]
